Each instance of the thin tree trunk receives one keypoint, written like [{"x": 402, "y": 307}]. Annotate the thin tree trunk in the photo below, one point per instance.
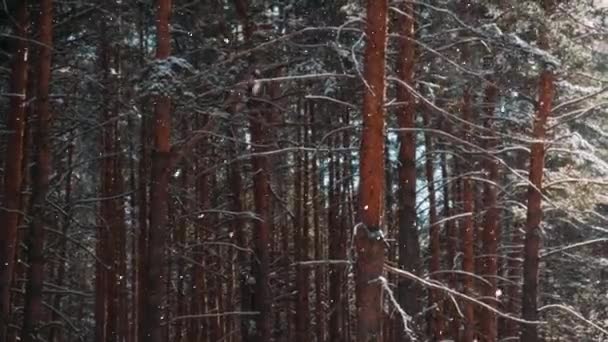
[
  {"x": 467, "y": 233},
  {"x": 32, "y": 315},
  {"x": 142, "y": 205},
  {"x": 490, "y": 232},
  {"x": 56, "y": 333},
  {"x": 409, "y": 247},
  {"x": 436, "y": 316},
  {"x": 261, "y": 233},
  {"x": 153, "y": 323},
  {"x": 319, "y": 274},
  {"x": 236, "y": 189},
  {"x": 368, "y": 237},
  {"x": 13, "y": 166},
  {"x": 301, "y": 240},
  {"x": 451, "y": 245},
  {"x": 534, "y": 212},
  {"x": 345, "y": 226},
  {"x": 336, "y": 312},
  {"x": 391, "y": 324}
]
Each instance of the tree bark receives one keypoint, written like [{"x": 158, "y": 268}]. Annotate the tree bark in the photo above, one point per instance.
[
  {"x": 301, "y": 238},
  {"x": 32, "y": 315},
  {"x": 467, "y": 233},
  {"x": 436, "y": 316},
  {"x": 336, "y": 313},
  {"x": 409, "y": 292},
  {"x": 153, "y": 323},
  {"x": 13, "y": 166},
  {"x": 490, "y": 232},
  {"x": 318, "y": 246},
  {"x": 534, "y": 212},
  {"x": 56, "y": 334},
  {"x": 369, "y": 243},
  {"x": 261, "y": 233}
]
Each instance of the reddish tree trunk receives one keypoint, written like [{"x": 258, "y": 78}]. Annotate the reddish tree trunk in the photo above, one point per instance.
[
  {"x": 13, "y": 166},
  {"x": 490, "y": 232},
  {"x": 32, "y": 315},
  {"x": 368, "y": 242},
  {"x": 153, "y": 322},
  {"x": 409, "y": 248},
  {"x": 534, "y": 213}
]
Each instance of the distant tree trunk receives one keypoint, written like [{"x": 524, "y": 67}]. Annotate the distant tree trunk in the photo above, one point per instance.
[
  {"x": 436, "y": 315},
  {"x": 409, "y": 247},
  {"x": 490, "y": 232},
  {"x": 181, "y": 239},
  {"x": 13, "y": 166},
  {"x": 56, "y": 333},
  {"x": 318, "y": 246},
  {"x": 105, "y": 304},
  {"x": 261, "y": 234},
  {"x": 153, "y": 323},
  {"x": 336, "y": 312},
  {"x": 142, "y": 201},
  {"x": 368, "y": 242},
  {"x": 467, "y": 232},
  {"x": 451, "y": 242},
  {"x": 119, "y": 248},
  {"x": 199, "y": 330},
  {"x": 142, "y": 232},
  {"x": 32, "y": 315},
  {"x": 344, "y": 175},
  {"x": 534, "y": 212},
  {"x": 259, "y": 119},
  {"x": 246, "y": 296},
  {"x": 301, "y": 237},
  {"x": 120, "y": 219},
  {"x": 213, "y": 294}
]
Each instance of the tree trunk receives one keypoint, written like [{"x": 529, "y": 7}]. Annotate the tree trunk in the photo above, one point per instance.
[
  {"x": 451, "y": 243},
  {"x": 336, "y": 312},
  {"x": 32, "y": 315},
  {"x": 435, "y": 316},
  {"x": 369, "y": 243},
  {"x": 409, "y": 247},
  {"x": 153, "y": 323},
  {"x": 142, "y": 203},
  {"x": 56, "y": 333},
  {"x": 467, "y": 233},
  {"x": 534, "y": 212},
  {"x": 490, "y": 232},
  {"x": 261, "y": 233},
  {"x": 318, "y": 246},
  {"x": 13, "y": 166},
  {"x": 301, "y": 238}
]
